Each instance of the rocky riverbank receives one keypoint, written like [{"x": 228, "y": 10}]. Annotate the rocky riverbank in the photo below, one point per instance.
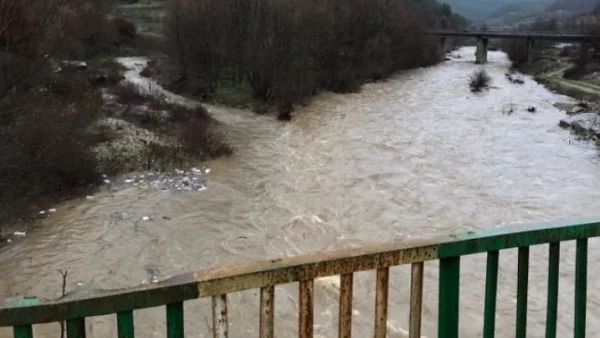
[
  {"x": 583, "y": 120},
  {"x": 557, "y": 69},
  {"x": 148, "y": 128}
]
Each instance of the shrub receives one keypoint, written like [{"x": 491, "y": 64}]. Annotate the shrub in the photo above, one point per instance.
[
  {"x": 194, "y": 128},
  {"x": 44, "y": 115},
  {"x": 147, "y": 72},
  {"x": 577, "y": 72},
  {"x": 87, "y": 29},
  {"x": 45, "y": 143},
  {"x": 479, "y": 80},
  {"x": 125, "y": 29},
  {"x": 149, "y": 44},
  {"x": 183, "y": 114},
  {"x": 200, "y": 139}
]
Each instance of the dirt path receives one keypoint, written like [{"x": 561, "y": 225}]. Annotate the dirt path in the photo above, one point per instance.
[{"x": 556, "y": 77}]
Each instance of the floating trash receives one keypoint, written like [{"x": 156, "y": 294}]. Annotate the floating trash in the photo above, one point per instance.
[
  {"x": 51, "y": 210},
  {"x": 79, "y": 284},
  {"x": 145, "y": 218},
  {"x": 42, "y": 212},
  {"x": 20, "y": 233},
  {"x": 106, "y": 181},
  {"x": 174, "y": 181},
  {"x": 207, "y": 171},
  {"x": 9, "y": 240}
]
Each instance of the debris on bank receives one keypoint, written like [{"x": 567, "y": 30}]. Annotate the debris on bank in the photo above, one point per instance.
[
  {"x": 174, "y": 181},
  {"x": 511, "y": 108},
  {"x": 514, "y": 78}
]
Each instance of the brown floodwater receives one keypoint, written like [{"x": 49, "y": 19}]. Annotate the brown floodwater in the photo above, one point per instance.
[{"x": 416, "y": 155}]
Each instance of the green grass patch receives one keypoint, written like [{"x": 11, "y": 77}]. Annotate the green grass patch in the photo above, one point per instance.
[
  {"x": 148, "y": 18},
  {"x": 575, "y": 89},
  {"x": 235, "y": 94}
]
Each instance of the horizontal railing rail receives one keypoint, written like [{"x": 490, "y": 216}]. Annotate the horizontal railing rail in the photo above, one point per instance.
[
  {"x": 22, "y": 312},
  {"x": 518, "y": 35}
]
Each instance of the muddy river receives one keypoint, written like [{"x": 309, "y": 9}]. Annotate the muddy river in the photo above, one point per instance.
[{"x": 413, "y": 156}]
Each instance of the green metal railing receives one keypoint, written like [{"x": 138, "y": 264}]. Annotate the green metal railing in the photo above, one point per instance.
[{"x": 23, "y": 312}]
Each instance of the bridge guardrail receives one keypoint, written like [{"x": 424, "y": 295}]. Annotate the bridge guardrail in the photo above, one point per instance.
[{"x": 23, "y": 312}]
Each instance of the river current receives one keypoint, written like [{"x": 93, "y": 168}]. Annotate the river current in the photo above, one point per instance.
[{"x": 416, "y": 155}]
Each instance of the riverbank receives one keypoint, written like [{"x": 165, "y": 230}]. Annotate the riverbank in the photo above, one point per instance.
[
  {"x": 155, "y": 129},
  {"x": 557, "y": 68},
  {"x": 141, "y": 136}
]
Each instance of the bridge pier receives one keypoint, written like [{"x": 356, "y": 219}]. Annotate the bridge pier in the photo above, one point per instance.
[
  {"x": 584, "y": 51},
  {"x": 482, "y": 49},
  {"x": 442, "y": 41},
  {"x": 530, "y": 49}
]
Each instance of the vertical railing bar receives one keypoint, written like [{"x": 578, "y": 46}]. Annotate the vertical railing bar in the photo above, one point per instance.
[
  {"x": 220, "y": 317},
  {"x": 267, "y": 307},
  {"x": 345, "y": 315},
  {"x": 175, "y": 327},
  {"x": 381, "y": 302},
  {"x": 416, "y": 300},
  {"x": 305, "y": 317},
  {"x": 491, "y": 289},
  {"x": 552, "y": 307},
  {"x": 125, "y": 324},
  {"x": 522, "y": 285},
  {"x": 449, "y": 297},
  {"x": 23, "y": 331},
  {"x": 76, "y": 328},
  {"x": 581, "y": 258}
]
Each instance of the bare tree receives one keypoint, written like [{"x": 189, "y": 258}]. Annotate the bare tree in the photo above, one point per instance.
[
  {"x": 288, "y": 49},
  {"x": 44, "y": 115}
]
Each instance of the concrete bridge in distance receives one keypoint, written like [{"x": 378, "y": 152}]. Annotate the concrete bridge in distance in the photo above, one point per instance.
[{"x": 483, "y": 38}]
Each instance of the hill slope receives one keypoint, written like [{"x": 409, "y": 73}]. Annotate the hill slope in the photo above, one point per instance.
[
  {"x": 479, "y": 10},
  {"x": 514, "y": 12},
  {"x": 573, "y": 6}
]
